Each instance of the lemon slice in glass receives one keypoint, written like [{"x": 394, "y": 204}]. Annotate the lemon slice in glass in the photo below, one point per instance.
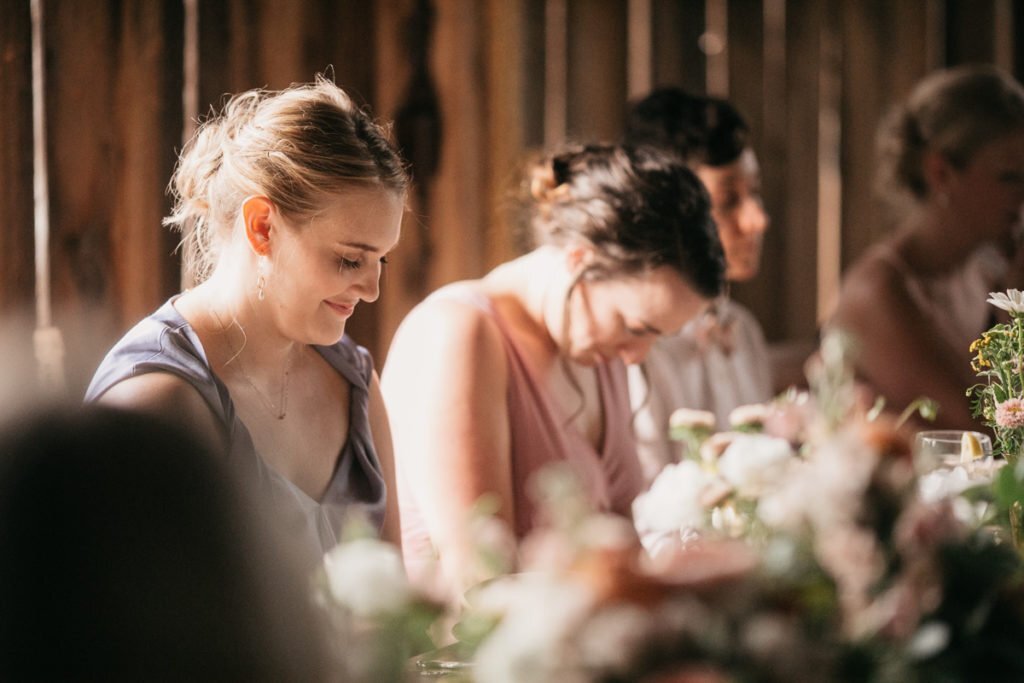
[{"x": 970, "y": 447}]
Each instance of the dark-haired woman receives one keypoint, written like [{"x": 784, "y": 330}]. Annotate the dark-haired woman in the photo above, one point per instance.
[
  {"x": 719, "y": 361},
  {"x": 488, "y": 381}
]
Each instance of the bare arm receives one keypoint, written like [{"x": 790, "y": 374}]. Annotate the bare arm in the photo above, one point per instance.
[
  {"x": 382, "y": 443},
  {"x": 169, "y": 397},
  {"x": 902, "y": 354},
  {"x": 445, "y": 386}
]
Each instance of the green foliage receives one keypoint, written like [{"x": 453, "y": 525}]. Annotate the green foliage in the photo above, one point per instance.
[{"x": 999, "y": 364}]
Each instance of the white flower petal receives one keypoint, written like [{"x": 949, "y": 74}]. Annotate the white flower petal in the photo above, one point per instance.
[
  {"x": 1012, "y": 300},
  {"x": 689, "y": 418}
]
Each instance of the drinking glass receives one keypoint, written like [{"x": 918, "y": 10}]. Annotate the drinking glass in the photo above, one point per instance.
[{"x": 948, "y": 448}]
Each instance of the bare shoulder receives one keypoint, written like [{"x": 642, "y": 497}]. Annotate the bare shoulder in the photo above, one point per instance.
[
  {"x": 872, "y": 289},
  {"x": 166, "y": 395},
  {"x": 453, "y": 327}
]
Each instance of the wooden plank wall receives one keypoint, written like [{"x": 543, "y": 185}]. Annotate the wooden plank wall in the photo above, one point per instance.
[{"x": 477, "y": 86}]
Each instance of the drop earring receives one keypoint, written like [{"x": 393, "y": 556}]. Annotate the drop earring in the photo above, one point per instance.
[{"x": 261, "y": 279}]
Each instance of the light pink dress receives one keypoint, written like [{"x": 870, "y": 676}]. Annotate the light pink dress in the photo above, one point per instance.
[{"x": 540, "y": 435}]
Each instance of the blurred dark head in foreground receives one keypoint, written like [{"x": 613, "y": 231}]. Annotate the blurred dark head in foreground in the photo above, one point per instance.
[{"x": 127, "y": 552}]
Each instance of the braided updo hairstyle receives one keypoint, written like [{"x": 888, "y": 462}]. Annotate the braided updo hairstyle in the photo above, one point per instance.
[
  {"x": 638, "y": 208},
  {"x": 955, "y": 112},
  {"x": 297, "y": 146}
]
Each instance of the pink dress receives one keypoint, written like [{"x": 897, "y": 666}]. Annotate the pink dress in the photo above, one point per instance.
[
  {"x": 955, "y": 301},
  {"x": 541, "y": 435}
]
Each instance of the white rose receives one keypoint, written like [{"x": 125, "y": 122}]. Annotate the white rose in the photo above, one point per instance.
[
  {"x": 367, "y": 577},
  {"x": 754, "y": 462}
]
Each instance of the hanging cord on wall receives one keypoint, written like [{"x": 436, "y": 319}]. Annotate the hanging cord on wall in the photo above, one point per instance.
[{"x": 47, "y": 339}]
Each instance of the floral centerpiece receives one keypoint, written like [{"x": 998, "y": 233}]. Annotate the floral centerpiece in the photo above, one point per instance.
[
  {"x": 797, "y": 546},
  {"x": 801, "y": 545},
  {"x": 999, "y": 361}
]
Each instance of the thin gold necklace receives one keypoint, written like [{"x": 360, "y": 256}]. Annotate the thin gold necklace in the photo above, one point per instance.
[{"x": 279, "y": 411}]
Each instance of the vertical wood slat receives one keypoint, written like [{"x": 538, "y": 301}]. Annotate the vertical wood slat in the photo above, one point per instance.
[
  {"x": 639, "y": 53},
  {"x": 970, "y": 31},
  {"x": 457, "y": 215},
  {"x": 678, "y": 59},
  {"x": 17, "y": 282},
  {"x": 556, "y": 71},
  {"x": 803, "y": 63},
  {"x": 1018, "y": 44},
  {"x": 1003, "y": 39},
  {"x": 746, "y": 43},
  {"x": 114, "y": 97},
  {"x": 149, "y": 116},
  {"x": 830, "y": 183},
  {"x": 596, "y": 89},
  {"x": 865, "y": 67},
  {"x": 507, "y": 122},
  {"x": 774, "y": 162},
  {"x": 888, "y": 47},
  {"x": 714, "y": 43}
]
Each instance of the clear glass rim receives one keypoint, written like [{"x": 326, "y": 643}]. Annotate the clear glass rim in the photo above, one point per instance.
[{"x": 950, "y": 435}]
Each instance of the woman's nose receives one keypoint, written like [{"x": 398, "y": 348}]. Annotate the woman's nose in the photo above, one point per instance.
[
  {"x": 754, "y": 220},
  {"x": 636, "y": 350},
  {"x": 369, "y": 284}
]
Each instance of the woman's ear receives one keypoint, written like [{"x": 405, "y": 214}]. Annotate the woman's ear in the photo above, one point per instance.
[
  {"x": 578, "y": 257},
  {"x": 256, "y": 212},
  {"x": 938, "y": 172}
]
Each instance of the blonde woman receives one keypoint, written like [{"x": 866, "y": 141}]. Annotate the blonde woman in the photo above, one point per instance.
[
  {"x": 953, "y": 157},
  {"x": 291, "y": 201}
]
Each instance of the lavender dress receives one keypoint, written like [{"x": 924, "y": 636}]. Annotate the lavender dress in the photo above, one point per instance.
[{"x": 165, "y": 342}]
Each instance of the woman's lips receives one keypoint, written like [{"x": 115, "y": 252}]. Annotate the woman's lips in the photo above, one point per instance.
[{"x": 341, "y": 309}]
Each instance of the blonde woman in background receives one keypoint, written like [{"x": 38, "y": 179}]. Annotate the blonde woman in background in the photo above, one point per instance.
[
  {"x": 291, "y": 201},
  {"x": 953, "y": 153}
]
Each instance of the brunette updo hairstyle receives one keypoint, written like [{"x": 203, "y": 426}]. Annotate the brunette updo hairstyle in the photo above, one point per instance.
[
  {"x": 639, "y": 208},
  {"x": 297, "y": 146},
  {"x": 955, "y": 112},
  {"x": 706, "y": 131}
]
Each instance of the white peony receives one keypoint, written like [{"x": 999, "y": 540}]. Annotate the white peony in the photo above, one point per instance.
[
  {"x": 1012, "y": 300},
  {"x": 367, "y": 576},
  {"x": 749, "y": 415},
  {"x": 610, "y": 639},
  {"x": 823, "y": 490},
  {"x": 687, "y": 418},
  {"x": 526, "y": 646},
  {"x": 755, "y": 462},
  {"x": 673, "y": 502}
]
